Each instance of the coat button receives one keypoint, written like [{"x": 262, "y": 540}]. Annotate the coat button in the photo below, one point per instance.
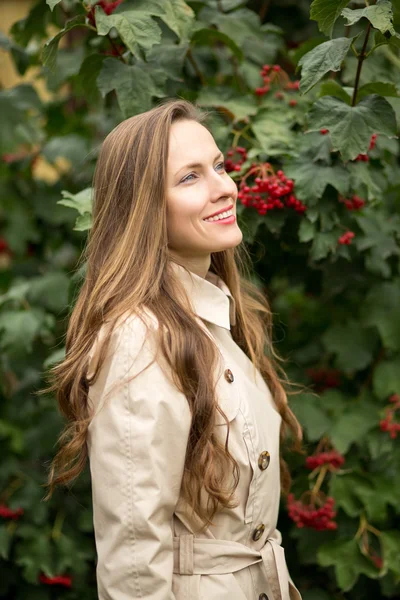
[
  {"x": 259, "y": 530},
  {"x": 229, "y": 375},
  {"x": 263, "y": 460},
  {"x": 263, "y": 597}
]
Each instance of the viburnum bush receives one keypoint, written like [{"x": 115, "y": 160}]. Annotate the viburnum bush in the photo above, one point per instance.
[{"x": 305, "y": 100}]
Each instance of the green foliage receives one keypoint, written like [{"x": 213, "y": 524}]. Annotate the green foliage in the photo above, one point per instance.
[{"x": 336, "y": 305}]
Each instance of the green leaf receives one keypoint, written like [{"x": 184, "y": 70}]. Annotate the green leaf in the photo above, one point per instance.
[
  {"x": 330, "y": 87},
  {"x": 381, "y": 88},
  {"x": 309, "y": 410},
  {"x": 349, "y": 563},
  {"x": 296, "y": 53},
  {"x": 351, "y": 427},
  {"x": 324, "y": 243},
  {"x": 273, "y": 131},
  {"x": 386, "y": 378},
  {"x": 382, "y": 40},
  {"x": 50, "y": 290},
  {"x": 73, "y": 147},
  {"x": 82, "y": 201},
  {"x": 135, "y": 28},
  {"x": 306, "y": 230},
  {"x": 83, "y": 222},
  {"x": 35, "y": 555},
  {"x": 169, "y": 58},
  {"x": 238, "y": 107},
  {"x": 14, "y": 434},
  {"x": 357, "y": 493},
  {"x": 379, "y": 233},
  {"x": 311, "y": 178},
  {"x": 33, "y": 25},
  {"x": 207, "y": 37},
  {"x": 390, "y": 541},
  {"x": 381, "y": 308},
  {"x": 380, "y": 16},
  {"x": 353, "y": 346},
  {"x": 325, "y": 12},
  {"x": 87, "y": 76},
  {"x": 54, "y": 358},
  {"x": 49, "y": 52},
  {"x": 18, "y": 329},
  {"x": 322, "y": 59},
  {"x": 52, "y": 3},
  {"x": 351, "y": 127},
  {"x": 135, "y": 87}
]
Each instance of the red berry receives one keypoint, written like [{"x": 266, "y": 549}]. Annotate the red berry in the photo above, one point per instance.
[{"x": 324, "y": 131}]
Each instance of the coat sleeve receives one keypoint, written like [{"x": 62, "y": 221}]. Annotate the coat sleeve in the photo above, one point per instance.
[{"x": 137, "y": 443}]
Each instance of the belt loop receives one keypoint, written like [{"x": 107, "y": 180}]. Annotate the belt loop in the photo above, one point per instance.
[{"x": 186, "y": 554}]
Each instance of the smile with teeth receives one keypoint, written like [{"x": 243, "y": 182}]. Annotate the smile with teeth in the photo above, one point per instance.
[{"x": 223, "y": 215}]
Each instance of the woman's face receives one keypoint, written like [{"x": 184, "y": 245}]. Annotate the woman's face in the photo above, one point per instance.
[{"x": 198, "y": 186}]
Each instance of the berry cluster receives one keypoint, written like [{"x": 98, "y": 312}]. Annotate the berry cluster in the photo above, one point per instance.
[
  {"x": 274, "y": 75},
  {"x": 365, "y": 157},
  {"x": 308, "y": 515},
  {"x": 346, "y": 238},
  {"x": 9, "y": 513},
  {"x": 108, "y": 8},
  {"x": 388, "y": 424},
  {"x": 64, "y": 580},
  {"x": 235, "y": 165},
  {"x": 332, "y": 458},
  {"x": 353, "y": 203},
  {"x": 324, "y": 378},
  {"x": 270, "y": 190}
]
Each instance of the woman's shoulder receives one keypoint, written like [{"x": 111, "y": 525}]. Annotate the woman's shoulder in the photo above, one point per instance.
[{"x": 131, "y": 330}]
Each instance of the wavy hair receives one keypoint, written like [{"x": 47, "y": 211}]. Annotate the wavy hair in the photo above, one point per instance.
[{"x": 126, "y": 259}]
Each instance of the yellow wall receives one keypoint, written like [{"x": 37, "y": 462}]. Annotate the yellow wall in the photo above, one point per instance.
[{"x": 12, "y": 11}]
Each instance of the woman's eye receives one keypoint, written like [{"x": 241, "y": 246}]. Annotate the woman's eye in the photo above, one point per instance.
[{"x": 187, "y": 178}]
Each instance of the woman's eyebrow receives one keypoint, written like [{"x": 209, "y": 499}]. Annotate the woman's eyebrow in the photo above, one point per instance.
[{"x": 196, "y": 165}]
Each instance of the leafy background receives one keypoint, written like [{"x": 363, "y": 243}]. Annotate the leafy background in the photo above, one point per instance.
[{"x": 336, "y": 304}]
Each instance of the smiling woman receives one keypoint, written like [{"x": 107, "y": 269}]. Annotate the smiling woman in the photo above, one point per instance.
[
  {"x": 185, "y": 452},
  {"x": 198, "y": 187}
]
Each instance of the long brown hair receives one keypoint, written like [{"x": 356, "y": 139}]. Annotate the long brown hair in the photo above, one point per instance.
[{"x": 127, "y": 267}]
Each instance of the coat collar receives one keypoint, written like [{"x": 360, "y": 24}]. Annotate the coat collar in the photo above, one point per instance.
[{"x": 211, "y": 298}]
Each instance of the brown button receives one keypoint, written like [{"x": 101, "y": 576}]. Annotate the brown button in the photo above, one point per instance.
[
  {"x": 263, "y": 597},
  {"x": 259, "y": 530},
  {"x": 229, "y": 375},
  {"x": 263, "y": 460}
]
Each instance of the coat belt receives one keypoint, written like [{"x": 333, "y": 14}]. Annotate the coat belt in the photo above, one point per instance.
[{"x": 205, "y": 556}]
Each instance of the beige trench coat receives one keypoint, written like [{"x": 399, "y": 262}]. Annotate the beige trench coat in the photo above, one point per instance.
[{"x": 137, "y": 442}]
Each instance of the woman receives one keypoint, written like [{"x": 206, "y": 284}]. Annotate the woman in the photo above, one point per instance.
[{"x": 170, "y": 380}]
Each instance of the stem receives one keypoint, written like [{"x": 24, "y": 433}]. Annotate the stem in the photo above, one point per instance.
[
  {"x": 238, "y": 134},
  {"x": 195, "y": 67},
  {"x": 361, "y": 58},
  {"x": 361, "y": 527},
  {"x": 264, "y": 9},
  {"x": 56, "y": 531},
  {"x": 115, "y": 48},
  {"x": 220, "y": 7},
  {"x": 319, "y": 481}
]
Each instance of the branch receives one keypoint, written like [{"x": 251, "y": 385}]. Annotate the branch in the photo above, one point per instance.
[
  {"x": 361, "y": 58},
  {"x": 195, "y": 67}
]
